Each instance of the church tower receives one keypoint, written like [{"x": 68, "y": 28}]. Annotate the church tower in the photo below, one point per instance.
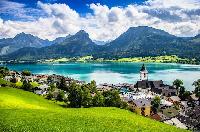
[{"x": 143, "y": 73}]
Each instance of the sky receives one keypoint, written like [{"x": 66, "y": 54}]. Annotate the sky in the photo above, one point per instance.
[{"x": 103, "y": 20}]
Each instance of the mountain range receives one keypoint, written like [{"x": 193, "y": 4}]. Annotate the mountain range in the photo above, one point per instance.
[{"x": 135, "y": 42}]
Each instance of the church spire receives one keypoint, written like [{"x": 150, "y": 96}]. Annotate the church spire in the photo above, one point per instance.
[
  {"x": 143, "y": 73},
  {"x": 143, "y": 68}
]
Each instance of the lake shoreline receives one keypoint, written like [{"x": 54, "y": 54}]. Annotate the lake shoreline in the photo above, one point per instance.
[
  {"x": 89, "y": 59},
  {"x": 122, "y": 72}
]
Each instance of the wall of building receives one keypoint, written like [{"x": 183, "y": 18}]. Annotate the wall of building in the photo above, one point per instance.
[{"x": 138, "y": 110}]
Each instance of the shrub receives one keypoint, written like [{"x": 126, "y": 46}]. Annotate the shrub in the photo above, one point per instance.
[
  {"x": 98, "y": 100},
  {"x": 60, "y": 96},
  {"x": 26, "y": 73},
  {"x": 112, "y": 98},
  {"x": 27, "y": 86},
  {"x": 49, "y": 96}
]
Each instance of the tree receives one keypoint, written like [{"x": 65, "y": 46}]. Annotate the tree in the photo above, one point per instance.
[
  {"x": 63, "y": 85},
  {"x": 196, "y": 84},
  {"x": 86, "y": 97},
  {"x": 112, "y": 98},
  {"x": 75, "y": 96},
  {"x": 178, "y": 83},
  {"x": 155, "y": 104},
  {"x": 60, "y": 96},
  {"x": 52, "y": 87},
  {"x": 26, "y": 73},
  {"x": 49, "y": 79},
  {"x": 98, "y": 100},
  {"x": 27, "y": 86},
  {"x": 92, "y": 86},
  {"x": 186, "y": 94},
  {"x": 4, "y": 71},
  {"x": 181, "y": 92}
]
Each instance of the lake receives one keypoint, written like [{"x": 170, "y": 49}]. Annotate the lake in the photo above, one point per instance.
[{"x": 116, "y": 72}]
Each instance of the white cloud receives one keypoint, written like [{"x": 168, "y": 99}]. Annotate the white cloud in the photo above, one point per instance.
[
  {"x": 182, "y": 4},
  {"x": 178, "y": 17},
  {"x": 18, "y": 10}
]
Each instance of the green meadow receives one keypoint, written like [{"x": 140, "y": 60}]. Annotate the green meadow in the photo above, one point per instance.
[{"x": 24, "y": 111}]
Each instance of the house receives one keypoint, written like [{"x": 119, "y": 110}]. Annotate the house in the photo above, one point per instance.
[
  {"x": 156, "y": 117},
  {"x": 41, "y": 79},
  {"x": 41, "y": 90},
  {"x": 18, "y": 79},
  {"x": 195, "y": 99},
  {"x": 80, "y": 82},
  {"x": 164, "y": 90},
  {"x": 30, "y": 78},
  {"x": 141, "y": 106},
  {"x": 137, "y": 95},
  {"x": 165, "y": 103},
  {"x": 175, "y": 122},
  {"x": 54, "y": 78},
  {"x": 8, "y": 78},
  {"x": 183, "y": 105},
  {"x": 43, "y": 87},
  {"x": 13, "y": 73},
  {"x": 193, "y": 113},
  {"x": 174, "y": 99},
  {"x": 169, "y": 112},
  {"x": 189, "y": 122},
  {"x": 104, "y": 87},
  {"x": 69, "y": 80}
]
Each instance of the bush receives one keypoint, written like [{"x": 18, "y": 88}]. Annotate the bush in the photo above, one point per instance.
[
  {"x": 98, "y": 100},
  {"x": 49, "y": 96},
  {"x": 155, "y": 104},
  {"x": 123, "y": 105},
  {"x": 27, "y": 86},
  {"x": 13, "y": 85},
  {"x": 75, "y": 96},
  {"x": 63, "y": 85},
  {"x": 26, "y": 73},
  {"x": 86, "y": 96},
  {"x": 60, "y": 96},
  {"x": 4, "y": 71},
  {"x": 112, "y": 98},
  {"x": 3, "y": 85}
]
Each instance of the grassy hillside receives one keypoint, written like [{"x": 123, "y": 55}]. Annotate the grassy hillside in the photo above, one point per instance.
[
  {"x": 4, "y": 82},
  {"x": 25, "y": 111}
]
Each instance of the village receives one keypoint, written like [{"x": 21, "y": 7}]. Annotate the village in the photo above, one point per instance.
[{"x": 152, "y": 99}]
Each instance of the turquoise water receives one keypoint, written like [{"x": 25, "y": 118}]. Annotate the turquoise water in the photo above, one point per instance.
[{"x": 116, "y": 72}]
